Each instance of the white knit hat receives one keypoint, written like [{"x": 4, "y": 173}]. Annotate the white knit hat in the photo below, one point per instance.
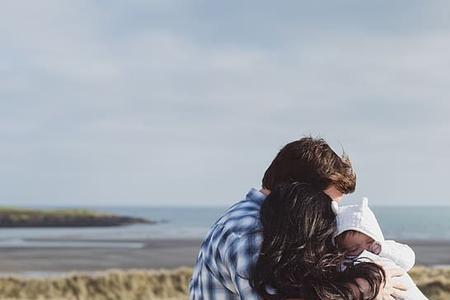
[{"x": 358, "y": 217}]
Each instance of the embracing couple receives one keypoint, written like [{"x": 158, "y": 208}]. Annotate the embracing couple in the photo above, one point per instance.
[{"x": 294, "y": 239}]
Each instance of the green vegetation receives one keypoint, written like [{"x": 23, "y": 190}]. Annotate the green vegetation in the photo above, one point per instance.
[
  {"x": 433, "y": 282},
  {"x": 112, "y": 285},
  {"x": 156, "y": 285},
  {"x": 26, "y": 212},
  {"x": 23, "y": 217}
]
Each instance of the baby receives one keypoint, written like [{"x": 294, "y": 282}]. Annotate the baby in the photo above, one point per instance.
[{"x": 359, "y": 234}]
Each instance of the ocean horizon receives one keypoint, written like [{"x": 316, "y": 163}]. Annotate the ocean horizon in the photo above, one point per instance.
[{"x": 400, "y": 223}]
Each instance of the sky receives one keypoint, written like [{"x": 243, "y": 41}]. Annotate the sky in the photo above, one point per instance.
[{"x": 185, "y": 103}]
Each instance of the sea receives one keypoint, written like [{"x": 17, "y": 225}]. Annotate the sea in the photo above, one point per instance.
[{"x": 399, "y": 223}]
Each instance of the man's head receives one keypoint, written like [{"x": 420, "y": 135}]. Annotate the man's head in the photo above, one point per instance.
[{"x": 312, "y": 160}]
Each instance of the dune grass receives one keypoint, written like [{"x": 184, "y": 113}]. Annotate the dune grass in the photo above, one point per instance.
[
  {"x": 156, "y": 285},
  {"x": 433, "y": 282},
  {"x": 110, "y": 285}
]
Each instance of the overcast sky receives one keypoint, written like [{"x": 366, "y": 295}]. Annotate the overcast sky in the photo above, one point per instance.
[{"x": 187, "y": 102}]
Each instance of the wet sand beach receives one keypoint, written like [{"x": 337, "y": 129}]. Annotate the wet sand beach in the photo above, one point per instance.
[
  {"x": 62, "y": 255},
  {"x": 157, "y": 253}
]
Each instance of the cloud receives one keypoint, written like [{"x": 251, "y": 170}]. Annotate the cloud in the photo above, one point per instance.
[{"x": 167, "y": 102}]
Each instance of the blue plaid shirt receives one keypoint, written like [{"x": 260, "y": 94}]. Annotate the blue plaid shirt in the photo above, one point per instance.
[{"x": 229, "y": 250}]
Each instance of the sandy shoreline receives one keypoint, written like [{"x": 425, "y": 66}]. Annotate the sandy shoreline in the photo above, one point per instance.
[{"x": 151, "y": 254}]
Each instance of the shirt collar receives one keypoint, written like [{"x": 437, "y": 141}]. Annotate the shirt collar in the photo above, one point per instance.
[{"x": 255, "y": 195}]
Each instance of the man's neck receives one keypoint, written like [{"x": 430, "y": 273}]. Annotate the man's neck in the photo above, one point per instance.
[{"x": 265, "y": 191}]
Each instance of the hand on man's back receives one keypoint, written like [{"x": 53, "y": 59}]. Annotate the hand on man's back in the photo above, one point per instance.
[{"x": 393, "y": 289}]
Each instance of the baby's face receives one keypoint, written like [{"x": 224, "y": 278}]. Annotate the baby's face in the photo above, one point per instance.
[{"x": 354, "y": 242}]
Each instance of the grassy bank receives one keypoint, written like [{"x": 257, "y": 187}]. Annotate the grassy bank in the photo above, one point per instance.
[
  {"x": 22, "y": 217},
  {"x": 157, "y": 285},
  {"x": 434, "y": 283},
  {"x": 111, "y": 285}
]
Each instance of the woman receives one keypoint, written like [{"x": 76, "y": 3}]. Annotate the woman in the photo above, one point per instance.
[{"x": 298, "y": 258}]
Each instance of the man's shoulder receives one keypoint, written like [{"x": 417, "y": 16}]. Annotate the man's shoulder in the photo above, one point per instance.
[
  {"x": 243, "y": 217},
  {"x": 238, "y": 224},
  {"x": 234, "y": 240}
]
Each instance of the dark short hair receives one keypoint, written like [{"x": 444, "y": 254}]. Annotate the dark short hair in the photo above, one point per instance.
[{"x": 313, "y": 161}]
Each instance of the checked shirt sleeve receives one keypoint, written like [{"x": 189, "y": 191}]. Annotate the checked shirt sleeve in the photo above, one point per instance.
[{"x": 240, "y": 257}]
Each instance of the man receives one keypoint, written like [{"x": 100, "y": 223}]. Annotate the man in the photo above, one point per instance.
[{"x": 232, "y": 245}]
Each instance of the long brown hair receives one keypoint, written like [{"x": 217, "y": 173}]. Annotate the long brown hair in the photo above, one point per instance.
[{"x": 298, "y": 258}]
